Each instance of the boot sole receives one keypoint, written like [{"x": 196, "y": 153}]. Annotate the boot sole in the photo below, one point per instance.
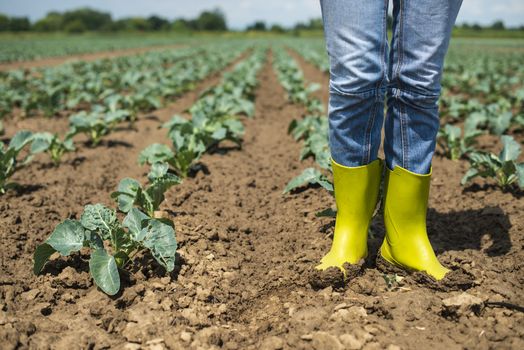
[{"x": 456, "y": 279}]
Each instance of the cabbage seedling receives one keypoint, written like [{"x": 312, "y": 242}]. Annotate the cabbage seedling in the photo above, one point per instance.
[
  {"x": 503, "y": 167},
  {"x": 136, "y": 233},
  {"x": 9, "y": 162},
  {"x": 95, "y": 124},
  {"x": 51, "y": 143},
  {"x": 149, "y": 198},
  {"x": 455, "y": 146}
]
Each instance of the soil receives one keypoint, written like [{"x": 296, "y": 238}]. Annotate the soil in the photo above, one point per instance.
[
  {"x": 54, "y": 61},
  {"x": 244, "y": 278}
]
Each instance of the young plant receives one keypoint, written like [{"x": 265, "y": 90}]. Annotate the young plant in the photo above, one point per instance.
[
  {"x": 209, "y": 125},
  {"x": 124, "y": 240},
  {"x": 188, "y": 148},
  {"x": 51, "y": 143},
  {"x": 309, "y": 176},
  {"x": 9, "y": 162},
  {"x": 95, "y": 124},
  {"x": 455, "y": 146},
  {"x": 130, "y": 193},
  {"x": 503, "y": 168}
]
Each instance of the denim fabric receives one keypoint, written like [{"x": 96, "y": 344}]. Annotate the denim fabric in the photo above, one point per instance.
[{"x": 365, "y": 72}]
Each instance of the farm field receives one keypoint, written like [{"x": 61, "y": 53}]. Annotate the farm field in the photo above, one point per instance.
[
  {"x": 249, "y": 120},
  {"x": 16, "y": 48}
]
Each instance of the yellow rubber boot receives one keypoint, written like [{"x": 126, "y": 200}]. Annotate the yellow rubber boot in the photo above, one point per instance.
[
  {"x": 356, "y": 194},
  {"x": 406, "y": 244}
]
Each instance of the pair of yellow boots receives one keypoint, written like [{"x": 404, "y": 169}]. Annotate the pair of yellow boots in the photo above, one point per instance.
[{"x": 406, "y": 244}]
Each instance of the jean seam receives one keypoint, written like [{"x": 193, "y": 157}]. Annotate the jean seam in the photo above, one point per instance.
[
  {"x": 400, "y": 46},
  {"x": 334, "y": 90},
  {"x": 366, "y": 156},
  {"x": 404, "y": 135},
  {"x": 382, "y": 50},
  {"x": 435, "y": 94}
]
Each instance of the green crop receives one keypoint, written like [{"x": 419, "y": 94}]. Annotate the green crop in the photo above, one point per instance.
[
  {"x": 309, "y": 176},
  {"x": 215, "y": 118},
  {"x": 95, "y": 124},
  {"x": 130, "y": 193},
  {"x": 9, "y": 162},
  {"x": 135, "y": 83},
  {"x": 312, "y": 129},
  {"x": 189, "y": 149},
  {"x": 455, "y": 146},
  {"x": 136, "y": 233},
  {"x": 191, "y": 139},
  {"x": 292, "y": 79},
  {"x": 504, "y": 167},
  {"x": 51, "y": 144},
  {"x": 17, "y": 48}
]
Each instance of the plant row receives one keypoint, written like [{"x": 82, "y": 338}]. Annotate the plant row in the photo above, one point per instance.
[
  {"x": 96, "y": 123},
  {"x": 311, "y": 129},
  {"x": 214, "y": 118},
  {"x": 113, "y": 243},
  {"x": 132, "y": 83}
]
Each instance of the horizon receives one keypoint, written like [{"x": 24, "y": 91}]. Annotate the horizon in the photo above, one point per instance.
[{"x": 240, "y": 14}]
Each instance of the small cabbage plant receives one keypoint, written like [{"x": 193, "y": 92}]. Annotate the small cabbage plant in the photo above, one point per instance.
[
  {"x": 112, "y": 243},
  {"x": 504, "y": 167},
  {"x": 130, "y": 193},
  {"x": 9, "y": 158},
  {"x": 95, "y": 124},
  {"x": 51, "y": 144},
  {"x": 453, "y": 144}
]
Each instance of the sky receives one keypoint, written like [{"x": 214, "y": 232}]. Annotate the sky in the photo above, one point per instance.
[{"x": 240, "y": 13}]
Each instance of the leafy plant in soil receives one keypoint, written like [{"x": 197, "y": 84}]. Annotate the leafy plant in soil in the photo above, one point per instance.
[
  {"x": 504, "y": 167},
  {"x": 188, "y": 150},
  {"x": 112, "y": 243},
  {"x": 51, "y": 144},
  {"x": 309, "y": 176},
  {"x": 9, "y": 162},
  {"x": 130, "y": 193},
  {"x": 95, "y": 124},
  {"x": 453, "y": 144}
]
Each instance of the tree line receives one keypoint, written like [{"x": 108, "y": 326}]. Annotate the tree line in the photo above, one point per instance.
[{"x": 87, "y": 19}]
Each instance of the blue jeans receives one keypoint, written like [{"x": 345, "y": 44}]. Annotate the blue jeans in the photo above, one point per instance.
[{"x": 364, "y": 71}]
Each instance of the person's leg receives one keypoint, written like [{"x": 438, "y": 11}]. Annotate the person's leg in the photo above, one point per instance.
[
  {"x": 356, "y": 40},
  {"x": 421, "y": 32}
]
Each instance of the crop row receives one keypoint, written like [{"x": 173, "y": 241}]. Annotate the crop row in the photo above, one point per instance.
[
  {"x": 23, "y": 49},
  {"x": 131, "y": 83},
  {"x": 311, "y": 129},
  {"x": 215, "y": 117}
]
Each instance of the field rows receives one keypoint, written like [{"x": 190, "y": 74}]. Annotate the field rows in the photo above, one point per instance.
[{"x": 242, "y": 276}]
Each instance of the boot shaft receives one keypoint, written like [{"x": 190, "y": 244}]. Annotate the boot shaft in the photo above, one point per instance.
[{"x": 356, "y": 188}]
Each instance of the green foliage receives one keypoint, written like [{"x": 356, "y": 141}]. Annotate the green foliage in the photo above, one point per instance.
[
  {"x": 127, "y": 84},
  {"x": 130, "y": 193},
  {"x": 455, "y": 146},
  {"x": 503, "y": 168},
  {"x": 137, "y": 232},
  {"x": 215, "y": 118},
  {"x": 312, "y": 129},
  {"x": 9, "y": 158},
  {"x": 189, "y": 149},
  {"x": 51, "y": 144},
  {"x": 95, "y": 124},
  {"x": 292, "y": 79},
  {"x": 309, "y": 176}
]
